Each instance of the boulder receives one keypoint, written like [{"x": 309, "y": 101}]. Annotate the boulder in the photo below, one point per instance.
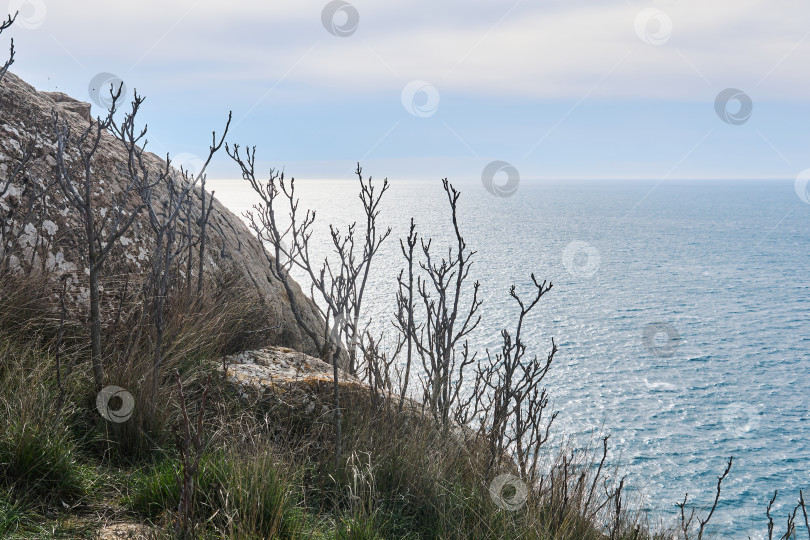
[
  {"x": 274, "y": 368},
  {"x": 42, "y": 232},
  {"x": 303, "y": 382}
]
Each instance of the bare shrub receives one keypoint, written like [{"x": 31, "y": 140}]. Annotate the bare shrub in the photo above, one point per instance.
[
  {"x": 440, "y": 338},
  {"x": 337, "y": 288},
  {"x": 100, "y": 229},
  {"x": 4, "y": 25}
]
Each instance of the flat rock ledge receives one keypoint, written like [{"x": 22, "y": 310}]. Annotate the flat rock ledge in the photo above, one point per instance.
[
  {"x": 302, "y": 378},
  {"x": 128, "y": 531},
  {"x": 276, "y": 368}
]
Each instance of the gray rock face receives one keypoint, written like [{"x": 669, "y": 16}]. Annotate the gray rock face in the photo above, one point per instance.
[
  {"x": 66, "y": 103},
  {"x": 304, "y": 382},
  {"x": 42, "y": 232},
  {"x": 273, "y": 366}
]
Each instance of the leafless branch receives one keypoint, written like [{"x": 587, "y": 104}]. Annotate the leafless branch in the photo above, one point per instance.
[
  {"x": 100, "y": 231},
  {"x": 205, "y": 211},
  {"x": 3, "y": 25}
]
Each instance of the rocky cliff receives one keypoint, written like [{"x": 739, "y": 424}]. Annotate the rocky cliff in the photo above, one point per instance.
[{"x": 41, "y": 231}]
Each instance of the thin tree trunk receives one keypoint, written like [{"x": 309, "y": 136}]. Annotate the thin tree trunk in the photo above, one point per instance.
[
  {"x": 410, "y": 333},
  {"x": 158, "y": 271},
  {"x": 95, "y": 327},
  {"x": 203, "y": 223},
  {"x": 158, "y": 348},
  {"x": 338, "y": 414}
]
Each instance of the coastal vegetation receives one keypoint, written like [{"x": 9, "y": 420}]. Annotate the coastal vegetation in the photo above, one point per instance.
[{"x": 116, "y": 407}]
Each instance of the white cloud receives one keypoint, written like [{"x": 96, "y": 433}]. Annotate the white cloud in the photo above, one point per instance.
[{"x": 551, "y": 48}]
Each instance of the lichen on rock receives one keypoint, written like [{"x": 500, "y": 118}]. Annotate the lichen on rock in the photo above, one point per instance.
[{"x": 40, "y": 231}]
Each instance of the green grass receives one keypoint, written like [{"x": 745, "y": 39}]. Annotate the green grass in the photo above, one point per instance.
[
  {"x": 154, "y": 490},
  {"x": 39, "y": 461},
  {"x": 36, "y": 463},
  {"x": 361, "y": 527},
  {"x": 237, "y": 495},
  {"x": 15, "y": 518},
  {"x": 268, "y": 470}
]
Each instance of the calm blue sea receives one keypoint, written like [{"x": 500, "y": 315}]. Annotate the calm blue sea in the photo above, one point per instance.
[{"x": 681, "y": 310}]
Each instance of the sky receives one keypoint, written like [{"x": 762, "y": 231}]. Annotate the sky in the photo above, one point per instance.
[{"x": 553, "y": 89}]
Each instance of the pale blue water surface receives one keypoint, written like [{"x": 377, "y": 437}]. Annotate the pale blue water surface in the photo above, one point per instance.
[{"x": 721, "y": 267}]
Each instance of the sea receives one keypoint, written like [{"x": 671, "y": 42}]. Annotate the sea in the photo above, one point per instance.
[{"x": 681, "y": 309}]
